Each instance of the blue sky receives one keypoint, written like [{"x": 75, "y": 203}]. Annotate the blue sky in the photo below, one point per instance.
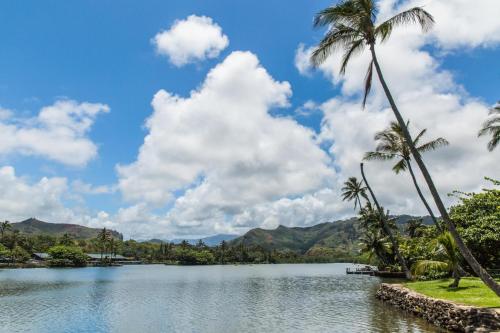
[{"x": 102, "y": 52}]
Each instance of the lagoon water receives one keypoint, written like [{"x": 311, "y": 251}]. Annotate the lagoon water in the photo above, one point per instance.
[{"x": 158, "y": 298}]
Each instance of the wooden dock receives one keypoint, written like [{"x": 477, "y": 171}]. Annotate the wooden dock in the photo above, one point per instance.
[{"x": 360, "y": 271}]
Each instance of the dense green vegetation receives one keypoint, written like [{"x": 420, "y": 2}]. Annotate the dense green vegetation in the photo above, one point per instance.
[
  {"x": 471, "y": 291},
  {"x": 430, "y": 252}
]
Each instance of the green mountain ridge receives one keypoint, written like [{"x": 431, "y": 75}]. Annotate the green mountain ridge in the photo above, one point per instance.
[
  {"x": 338, "y": 236},
  {"x": 32, "y": 226}
]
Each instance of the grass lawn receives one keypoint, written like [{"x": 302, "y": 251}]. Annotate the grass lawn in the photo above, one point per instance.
[{"x": 471, "y": 291}]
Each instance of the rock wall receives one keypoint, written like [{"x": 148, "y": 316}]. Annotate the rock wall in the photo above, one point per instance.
[{"x": 447, "y": 315}]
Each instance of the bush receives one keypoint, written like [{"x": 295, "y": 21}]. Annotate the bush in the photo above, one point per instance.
[
  {"x": 18, "y": 254},
  {"x": 478, "y": 221},
  {"x": 62, "y": 255}
]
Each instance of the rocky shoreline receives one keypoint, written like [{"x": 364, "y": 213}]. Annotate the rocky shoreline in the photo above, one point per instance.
[{"x": 445, "y": 314}]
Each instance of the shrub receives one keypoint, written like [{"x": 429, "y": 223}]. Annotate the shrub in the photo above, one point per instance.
[{"x": 62, "y": 255}]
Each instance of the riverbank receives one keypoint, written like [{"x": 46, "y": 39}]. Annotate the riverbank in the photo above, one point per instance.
[
  {"x": 471, "y": 291},
  {"x": 442, "y": 313}
]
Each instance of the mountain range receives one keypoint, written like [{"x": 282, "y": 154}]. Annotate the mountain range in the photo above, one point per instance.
[
  {"x": 338, "y": 236},
  {"x": 32, "y": 226},
  {"x": 210, "y": 240}
]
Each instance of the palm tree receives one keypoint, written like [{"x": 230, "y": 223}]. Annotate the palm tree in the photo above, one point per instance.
[
  {"x": 415, "y": 228},
  {"x": 103, "y": 239},
  {"x": 448, "y": 250},
  {"x": 66, "y": 239},
  {"x": 492, "y": 126},
  {"x": 223, "y": 248},
  {"x": 392, "y": 145},
  {"x": 385, "y": 227},
  {"x": 4, "y": 226},
  {"x": 351, "y": 27},
  {"x": 375, "y": 243},
  {"x": 354, "y": 190}
]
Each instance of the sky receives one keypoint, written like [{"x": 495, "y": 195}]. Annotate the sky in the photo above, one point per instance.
[{"x": 171, "y": 119}]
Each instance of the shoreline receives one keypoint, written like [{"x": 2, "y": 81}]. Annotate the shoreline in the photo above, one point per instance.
[{"x": 441, "y": 313}]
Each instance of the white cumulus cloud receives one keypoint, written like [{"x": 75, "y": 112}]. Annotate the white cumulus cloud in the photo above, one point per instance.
[
  {"x": 58, "y": 132},
  {"x": 221, "y": 148},
  {"x": 193, "y": 39}
]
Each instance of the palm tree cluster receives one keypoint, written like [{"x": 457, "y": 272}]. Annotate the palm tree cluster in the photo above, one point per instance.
[
  {"x": 352, "y": 27},
  {"x": 106, "y": 243}
]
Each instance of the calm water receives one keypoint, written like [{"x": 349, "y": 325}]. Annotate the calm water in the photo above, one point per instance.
[{"x": 157, "y": 298}]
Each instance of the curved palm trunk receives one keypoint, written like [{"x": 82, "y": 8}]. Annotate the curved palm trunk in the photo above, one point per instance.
[
  {"x": 464, "y": 250},
  {"x": 386, "y": 228},
  {"x": 422, "y": 196}
]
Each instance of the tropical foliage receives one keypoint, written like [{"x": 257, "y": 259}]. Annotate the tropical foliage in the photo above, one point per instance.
[
  {"x": 352, "y": 27},
  {"x": 492, "y": 127},
  {"x": 447, "y": 251},
  {"x": 392, "y": 145},
  {"x": 478, "y": 220},
  {"x": 64, "y": 255}
]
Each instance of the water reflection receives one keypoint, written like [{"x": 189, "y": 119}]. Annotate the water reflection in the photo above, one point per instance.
[{"x": 258, "y": 298}]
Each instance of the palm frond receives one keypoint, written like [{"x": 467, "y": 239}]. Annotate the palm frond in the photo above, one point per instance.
[
  {"x": 492, "y": 127},
  {"x": 495, "y": 140},
  {"x": 356, "y": 47},
  {"x": 413, "y": 15},
  {"x": 342, "y": 13},
  {"x": 448, "y": 245},
  {"x": 378, "y": 156},
  {"x": 402, "y": 165},
  {"x": 424, "y": 266},
  {"x": 419, "y": 136},
  {"x": 368, "y": 82},
  {"x": 340, "y": 37},
  {"x": 432, "y": 145}
]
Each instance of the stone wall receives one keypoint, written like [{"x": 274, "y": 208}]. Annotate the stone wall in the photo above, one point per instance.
[{"x": 447, "y": 315}]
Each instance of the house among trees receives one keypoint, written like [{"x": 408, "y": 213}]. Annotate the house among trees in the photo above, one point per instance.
[{"x": 93, "y": 258}]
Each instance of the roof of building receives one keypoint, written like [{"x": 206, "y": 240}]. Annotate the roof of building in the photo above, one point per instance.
[
  {"x": 104, "y": 255},
  {"x": 42, "y": 255}
]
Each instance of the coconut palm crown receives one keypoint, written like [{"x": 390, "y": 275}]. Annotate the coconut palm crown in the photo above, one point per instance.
[
  {"x": 392, "y": 144},
  {"x": 354, "y": 190},
  {"x": 492, "y": 127},
  {"x": 352, "y": 27}
]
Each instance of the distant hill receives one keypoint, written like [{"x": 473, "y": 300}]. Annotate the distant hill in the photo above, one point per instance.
[
  {"x": 33, "y": 226},
  {"x": 341, "y": 236},
  {"x": 210, "y": 241}
]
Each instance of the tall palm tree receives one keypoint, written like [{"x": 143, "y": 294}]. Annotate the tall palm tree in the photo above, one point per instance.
[
  {"x": 351, "y": 27},
  {"x": 103, "y": 239},
  {"x": 384, "y": 223},
  {"x": 392, "y": 145},
  {"x": 375, "y": 243},
  {"x": 446, "y": 249},
  {"x": 4, "y": 226},
  {"x": 354, "y": 190},
  {"x": 492, "y": 126}
]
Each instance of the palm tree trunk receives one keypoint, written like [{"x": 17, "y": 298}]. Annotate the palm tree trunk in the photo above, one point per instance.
[
  {"x": 422, "y": 196},
  {"x": 456, "y": 278},
  {"x": 464, "y": 250},
  {"x": 386, "y": 228}
]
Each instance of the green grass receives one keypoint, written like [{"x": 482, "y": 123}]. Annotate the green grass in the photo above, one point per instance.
[{"x": 471, "y": 291}]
